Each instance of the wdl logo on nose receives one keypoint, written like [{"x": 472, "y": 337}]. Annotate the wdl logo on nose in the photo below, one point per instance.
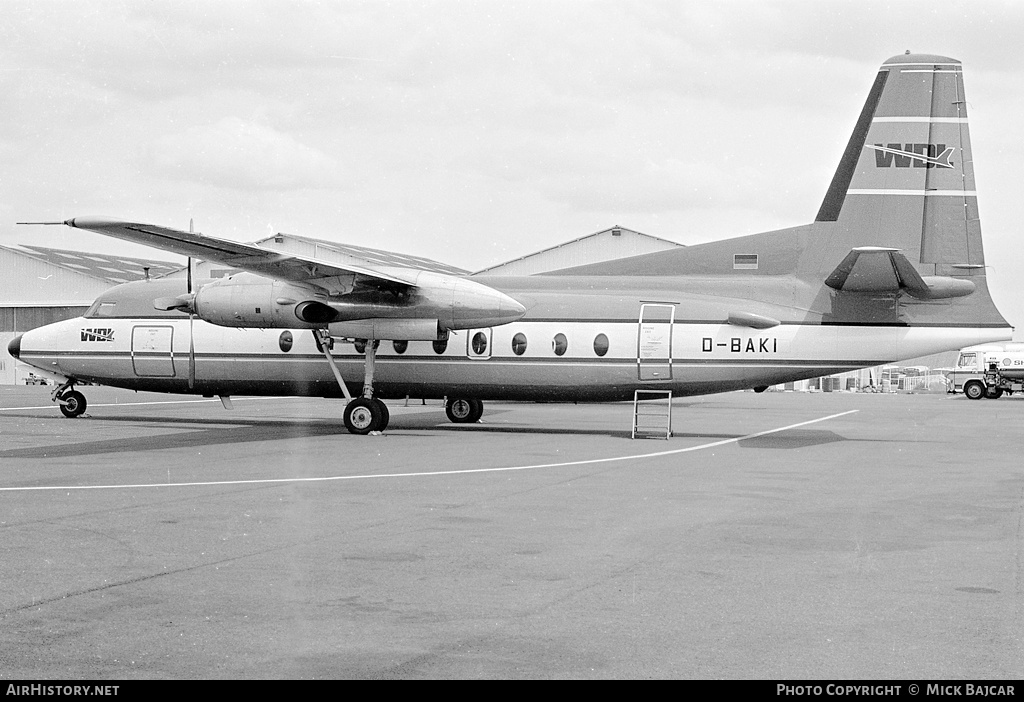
[{"x": 98, "y": 334}]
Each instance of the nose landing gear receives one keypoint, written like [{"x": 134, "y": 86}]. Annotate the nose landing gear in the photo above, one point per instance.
[{"x": 72, "y": 403}]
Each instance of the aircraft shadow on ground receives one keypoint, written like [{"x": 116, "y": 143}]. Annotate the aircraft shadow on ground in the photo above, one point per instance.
[
  {"x": 249, "y": 429},
  {"x": 792, "y": 439}
]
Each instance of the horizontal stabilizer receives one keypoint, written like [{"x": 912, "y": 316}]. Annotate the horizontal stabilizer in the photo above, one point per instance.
[{"x": 879, "y": 269}]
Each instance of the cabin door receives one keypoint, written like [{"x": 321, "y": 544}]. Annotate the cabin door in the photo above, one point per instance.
[
  {"x": 654, "y": 341},
  {"x": 152, "y": 353}
]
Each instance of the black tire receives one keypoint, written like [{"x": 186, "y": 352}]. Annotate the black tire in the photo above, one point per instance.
[
  {"x": 385, "y": 415},
  {"x": 974, "y": 389},
  {"x": 72, "y": 404},
  {"x": 362, "y": 416},
  {"x": 463, "y": 411},
  {"x": 993, "y": 393}
]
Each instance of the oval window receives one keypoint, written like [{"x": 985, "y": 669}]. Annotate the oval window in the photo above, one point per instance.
[
  {"x": 400, "y": 346},
  {"x": 559, "y": 344},
  {"x": 519, "y": 344},
  {"x": 285, "y": 341},
  {"x": 601, "y": 344},
  {"x": 479, "y": 343},
  {"x": 360, "y": 345},
  {"x": 440, "y": 345}
]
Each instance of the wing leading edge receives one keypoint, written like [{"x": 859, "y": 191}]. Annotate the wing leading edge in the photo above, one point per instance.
[{"x": 332, "y": 276}]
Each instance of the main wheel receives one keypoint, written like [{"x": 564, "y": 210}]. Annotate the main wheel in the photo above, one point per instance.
[
  {"x": 363, "y": 415},
  {"x": 974, "y": 389},
  {"x": 385, "y": 415},
  {"x": 463, "y": 411},
  {"x": 72, "y": 404},
  {"x": 993, "y": 393}
]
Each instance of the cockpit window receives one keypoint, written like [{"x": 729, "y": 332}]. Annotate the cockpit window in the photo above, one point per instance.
[
  {"x": 101, "y": 308},
  {"x": 135, "y": 300}
]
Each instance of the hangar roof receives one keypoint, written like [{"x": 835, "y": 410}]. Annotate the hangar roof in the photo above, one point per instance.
[
  {"x": 113, "y": 269},
  {"x": 606, "y": 245}
]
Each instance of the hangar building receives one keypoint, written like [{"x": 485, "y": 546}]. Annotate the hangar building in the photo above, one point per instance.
[
  {"x": 605, "y": 245},
  {"x": 39, "y": 286}
]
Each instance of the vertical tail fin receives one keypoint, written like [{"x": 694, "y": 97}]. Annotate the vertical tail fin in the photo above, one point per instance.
[{"x": 907, "y": 173}]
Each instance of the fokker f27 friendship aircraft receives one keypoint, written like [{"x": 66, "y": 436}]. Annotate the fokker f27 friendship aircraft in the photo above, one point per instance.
[{"x": 892, "y": 268}]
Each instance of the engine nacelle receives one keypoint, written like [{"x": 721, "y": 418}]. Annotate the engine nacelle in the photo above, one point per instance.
[
  {"x": 390, "y": 329},
  {"x": 247, "y": 300}
]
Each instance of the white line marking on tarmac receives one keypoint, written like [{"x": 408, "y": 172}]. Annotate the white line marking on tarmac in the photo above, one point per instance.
[{"x": 324, "y": 479}]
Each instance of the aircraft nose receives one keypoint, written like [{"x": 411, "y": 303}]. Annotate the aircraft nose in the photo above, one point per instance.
[{"x": 14, "y": 348}]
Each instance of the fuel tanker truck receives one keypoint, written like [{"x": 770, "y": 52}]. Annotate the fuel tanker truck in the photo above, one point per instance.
[{"x": 988, "y": 371}]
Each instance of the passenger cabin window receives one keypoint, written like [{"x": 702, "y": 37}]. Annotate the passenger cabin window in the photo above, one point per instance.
[
  {"x": 559, "y": 344},
  {"x": 440, "y": 345},
  {"x": 601, "y": 345},
  {"x": 479, "y": 343},
  {"x": 360, "y": 345},
  {"x": 400, "y": 346},
  {"x": 519, "y": 344}
]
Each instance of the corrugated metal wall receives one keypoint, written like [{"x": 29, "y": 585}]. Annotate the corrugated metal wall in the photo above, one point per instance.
[{"x": 25, "y": 281}]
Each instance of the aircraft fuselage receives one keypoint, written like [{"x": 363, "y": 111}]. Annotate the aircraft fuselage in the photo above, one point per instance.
[{"x": 582, "y": 339}]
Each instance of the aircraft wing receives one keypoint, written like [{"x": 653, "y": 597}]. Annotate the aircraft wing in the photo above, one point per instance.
[{"x": 334, "y": 277}]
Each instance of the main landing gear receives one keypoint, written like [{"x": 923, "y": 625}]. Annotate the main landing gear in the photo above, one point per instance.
[
  {"x": 463, "y": 411},
  {"x": 72, "y": 403},
  {"x": 364, "y": 414}
]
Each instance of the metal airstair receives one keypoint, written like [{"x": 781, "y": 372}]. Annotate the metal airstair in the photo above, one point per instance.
[{"x": 652, "y": 414}]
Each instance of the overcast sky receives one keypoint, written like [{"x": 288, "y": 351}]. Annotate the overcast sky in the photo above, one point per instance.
[{"x": 475, "y": 132}]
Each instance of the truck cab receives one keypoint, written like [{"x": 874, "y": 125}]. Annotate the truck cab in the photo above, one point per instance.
[{"x": 988, "y": 371}]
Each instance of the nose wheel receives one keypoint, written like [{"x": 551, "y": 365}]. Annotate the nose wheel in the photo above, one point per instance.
[{"x": 72, "y": 403}]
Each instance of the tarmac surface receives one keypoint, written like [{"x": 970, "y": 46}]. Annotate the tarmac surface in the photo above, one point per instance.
[{"x": 776, "y": 535}]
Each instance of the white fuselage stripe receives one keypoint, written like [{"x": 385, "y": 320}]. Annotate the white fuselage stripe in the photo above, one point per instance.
[
  {"x": 903, "y": 65},
  {"x": 922, "y": 120},
  {"x": 924, "y": 193}
]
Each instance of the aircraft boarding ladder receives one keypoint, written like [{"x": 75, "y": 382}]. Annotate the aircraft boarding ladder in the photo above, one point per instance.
[{"x": 652, "y": 414}]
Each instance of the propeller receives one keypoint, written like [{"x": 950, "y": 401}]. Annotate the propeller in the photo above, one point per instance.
[{"x": 190, "y": 306}]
